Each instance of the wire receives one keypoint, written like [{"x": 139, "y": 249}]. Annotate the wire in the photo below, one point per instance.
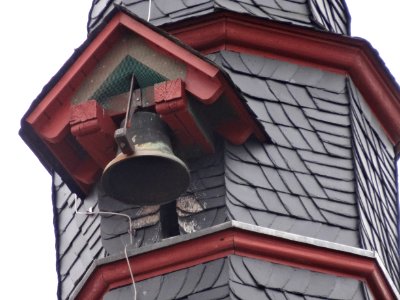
[
  {"x": 131, "y": 232},
  {"x": 133, "y": 286},
  {"x": 148, "y": 15}
]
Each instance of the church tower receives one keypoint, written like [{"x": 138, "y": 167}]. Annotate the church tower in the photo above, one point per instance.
[{"x": 222, "y": 149}]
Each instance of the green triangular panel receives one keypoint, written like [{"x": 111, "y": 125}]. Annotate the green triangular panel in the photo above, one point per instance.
[{"x": 118, "y": 81}]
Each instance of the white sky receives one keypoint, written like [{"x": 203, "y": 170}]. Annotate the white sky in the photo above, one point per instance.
[{"x": 37, "y": 38}]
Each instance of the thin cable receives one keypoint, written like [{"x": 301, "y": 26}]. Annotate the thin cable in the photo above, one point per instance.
[
  {"x": 90, "y": 212},
  {"x": 149, "y": 14},
  {"x": 133, "y": 286},
  {"x": 106, "y": 213}
]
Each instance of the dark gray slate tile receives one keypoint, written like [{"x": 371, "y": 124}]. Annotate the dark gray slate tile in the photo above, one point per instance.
[
  {"x": 283, "y": 223},
  {"x": 276, "y": 157},
  {"x": 334, "y": 97},
  {"x": 274, "y": 179},
  {"x": 290, "y": 179},
  {"x": 313, "y": 141},
  {"x": 230, "y": 5},
  {"x": 233, "y": 61},
  {"x": 305, "y": 228},
  {"x": 260, "y": 153},
  {"x": 251, "y": 174},
  {"x": 335, "y": 140},
  {"x": 238, "y": 271},
  {"x": 253, "y": 63},
  {"x": 341, "y": 109},
  {"x": 190, "y": 3},
  {"x": 272, "y": 201},
  {"x": 251, "y": 9},
  {"x": 239, "y": 153},
  {"x": 285, "y": 72},
  {"x": 338, "y": 151},
  {"x": 330, "y": 171},
  {"x": 331, "y": 128},
  {"x": 239, "y": 213},
  {"x": 276, "y": 294},
  {"x": 295, "y": 138},
  {"x": 302, "y": 96},
  {"x": 297, "y": 116},
  {"x": 307, "y": 76},
  {"x": 348, "y": 210},
  {"x": 260, "y": 271},
  {"x": 281, "y": 92},
  {"x": 210, "y": 275},
  {"x": 279, "y": 277},
  {"x": 324, "y": 159},
  {"x": 311, "y": 185},
  {"x": 332, "y": 82},
  {"x": 172, "y": 284},
  {"x": 245, "y": 194},
  {"x": 267, "y": 3},
  {"x": 253, "y": 87},
  {"x": 348, "y": 237},
  {"x": 375, "y": 204},
  {"x": 298, "y": 281},
  {"x": 293, "y": 160},
  {"x": 241, "y": 291},
  {"x": 327, "y": 233},
  {"x": 328, "y": 117},
  {"x": 193, "y": 276},
  {"x": 294, "y": 205},
  {"x": 194, "y": 11},
  {"x": 169, "y": 6},
  {"x": 215, "y": 293},
  {"x": 336, "y": 184},
  {"x": 277, "y": 114},
  {"x": 340, "y": 220},
  {"x": 269, "y": 68},
  {"x": 276, "y": 135},
  {"x": 259, "y": 109},
  {"x": 312, "y": 209},
  {"x": 262, "y": 218}
]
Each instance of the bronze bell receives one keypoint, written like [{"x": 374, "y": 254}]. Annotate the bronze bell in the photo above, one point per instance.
[{"x": 151, "y": 173}]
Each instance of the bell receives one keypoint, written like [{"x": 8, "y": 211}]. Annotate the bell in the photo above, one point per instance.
[{"x": 150, "y": 174}]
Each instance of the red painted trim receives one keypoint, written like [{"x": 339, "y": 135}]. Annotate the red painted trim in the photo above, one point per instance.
[
  {"x": 331, "y": 52},
  {"x": 172, "y": 106},
  {"x": 242, "y": 243},
  {"x": 50, "y": 118}
]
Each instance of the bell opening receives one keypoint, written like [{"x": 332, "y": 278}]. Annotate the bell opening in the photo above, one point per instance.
[{"x": 145, "y": 179}]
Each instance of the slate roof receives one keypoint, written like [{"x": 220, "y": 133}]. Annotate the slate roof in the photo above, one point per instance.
[
  {"x": 254, "y": 279},
  {"x": 78, "y": 237},
  {"x": 329, "y": 15},
  {"x": 203, "y": 204},
  {"x": 114, "y": 229},
  {"x": 238, "y": 277},
  {"x": 309, "y": 181},
  {"x": 375, "y": 169},
  {"x": 203, "y": 281},
  {"x": 302, "y": 183}
]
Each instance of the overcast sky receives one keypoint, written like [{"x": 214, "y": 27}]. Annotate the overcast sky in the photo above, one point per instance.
[{"x": 37, "y": 38}]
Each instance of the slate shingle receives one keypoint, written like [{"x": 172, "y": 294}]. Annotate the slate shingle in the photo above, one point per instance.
[
  {"x": 284, "y": 282},
  {"x": 163, "y": 12},
  {"x": 309, "y": 159},
  {"x": 378, "y": 210},
  {"x": 78, "y": 237}
]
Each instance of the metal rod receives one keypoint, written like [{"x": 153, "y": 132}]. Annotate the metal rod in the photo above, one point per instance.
[{"x": 128, "y": 108}]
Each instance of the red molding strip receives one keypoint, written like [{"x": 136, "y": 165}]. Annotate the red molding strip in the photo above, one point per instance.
[
  {"x": 323, "y": 50},
  {"x": 50, "y": 119},
  {"x": 243, "y": 243}
]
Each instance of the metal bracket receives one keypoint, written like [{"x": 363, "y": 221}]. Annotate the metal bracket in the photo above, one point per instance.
[{"x": 124, "y": 142}]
